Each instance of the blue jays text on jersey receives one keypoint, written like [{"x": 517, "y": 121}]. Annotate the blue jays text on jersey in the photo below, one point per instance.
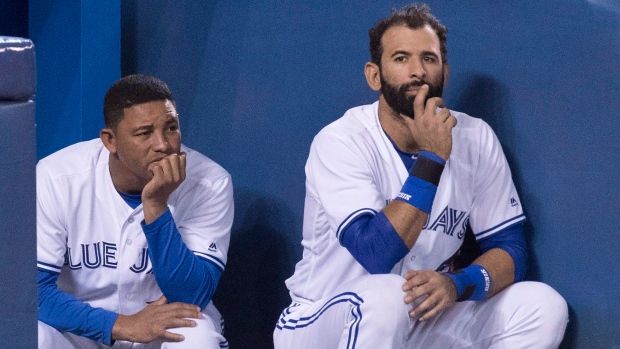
[{"x": 103, "y": 254}]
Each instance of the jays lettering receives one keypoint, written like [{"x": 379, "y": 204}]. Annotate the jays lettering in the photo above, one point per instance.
[
  {"x": 449, "y": 221},
  {"x": 103, "y": 254}
]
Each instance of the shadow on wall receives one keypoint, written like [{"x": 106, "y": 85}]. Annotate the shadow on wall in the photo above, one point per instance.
[
  {"x": 486, "y": 98},
  {"x": 252, "y": 293}
]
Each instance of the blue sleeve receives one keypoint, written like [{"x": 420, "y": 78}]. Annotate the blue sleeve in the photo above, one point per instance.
[
  {"x": 181, "y": 275},
  {"x": 66, "y": 313},
  {"x": 374, "y": 243},
  {"x": 512, "y": 241}
]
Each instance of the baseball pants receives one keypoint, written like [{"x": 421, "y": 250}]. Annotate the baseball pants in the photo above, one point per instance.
[
  {"x": 369, "y": 312},
  {"x": 206, "y": 335}
]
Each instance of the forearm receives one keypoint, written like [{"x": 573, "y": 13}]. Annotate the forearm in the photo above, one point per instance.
[
  {"x": 175, "y": 265},
  {"x": 407, "y": 220},
  {"x": 153, "y": 209},
  {"x": 500, "y": 267},
  {"x": 410, "y": 210},
  {"x": 66, "y": 313}
]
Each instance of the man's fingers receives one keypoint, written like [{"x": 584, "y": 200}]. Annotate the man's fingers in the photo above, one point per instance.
[
  {"x": 418, "y": 102},
  {"x": 175, "y": 171},
  {"x": 444, "y": 114},
  {"x": 432, "y": 104},
  {"x": 427, "y": 309},
  {"x": 184, "y": 310},
  {"x": 180, "y": 322},
  {"x": 183, "y": 163},
  {"x": 451, "y": 121},
  {"x": 172, "y": 337},
  {"x": 155, "y": 169}
]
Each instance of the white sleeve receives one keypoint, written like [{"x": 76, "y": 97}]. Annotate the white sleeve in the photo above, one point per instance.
[
  {"x": 496, "y": 203},
  {"x": 51, "y": 232},
  {"x": 341, "y": 180},
  {"x": 205, "y": 227}
]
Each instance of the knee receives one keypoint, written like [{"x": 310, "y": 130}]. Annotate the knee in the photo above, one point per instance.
[
  {"x": 543, "y": 308},
  {"x": 204, "y": 335},
  {"x": 548, "y": 303},
  {"x": 384, "y": 303}
]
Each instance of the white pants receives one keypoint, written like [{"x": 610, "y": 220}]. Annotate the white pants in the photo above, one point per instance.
[
  {"x": 369, "y": 312},
  {"x": 206, "y": 335}
]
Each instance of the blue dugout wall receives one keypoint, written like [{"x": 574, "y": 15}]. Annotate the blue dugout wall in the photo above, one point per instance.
[{"x": 255, "y": 81}]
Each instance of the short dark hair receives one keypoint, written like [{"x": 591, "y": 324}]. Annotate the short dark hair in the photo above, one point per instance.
[
  {"x": 129, "y": 91},
  {"x": 414, "y": 16}
]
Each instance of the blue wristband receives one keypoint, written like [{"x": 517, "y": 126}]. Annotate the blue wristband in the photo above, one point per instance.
[
  {"x": 418, "y": 192},
  {"x": 472, "y": 283}
]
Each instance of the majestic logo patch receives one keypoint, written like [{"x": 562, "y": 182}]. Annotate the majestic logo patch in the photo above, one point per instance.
[
  {"x": 213, "y": 247},
  {"x": 513, "y": 202}
]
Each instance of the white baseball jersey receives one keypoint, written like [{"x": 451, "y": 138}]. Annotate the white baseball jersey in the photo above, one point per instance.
[
  {"x": 354, "y": 169},
  {"x": 88, "y": 233}
]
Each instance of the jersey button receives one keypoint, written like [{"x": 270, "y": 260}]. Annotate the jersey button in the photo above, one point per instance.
[
  {"x": 129, "y": 242},
  {"x": 130, "y": 220}
]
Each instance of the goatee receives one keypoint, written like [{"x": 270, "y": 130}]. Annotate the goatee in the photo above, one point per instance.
[{"x": 396, "y": 96}]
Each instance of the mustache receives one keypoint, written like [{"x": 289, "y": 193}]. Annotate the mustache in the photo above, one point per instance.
[{"x": 415, "y": 83}]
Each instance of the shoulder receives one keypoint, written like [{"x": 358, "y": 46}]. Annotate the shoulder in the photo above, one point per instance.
[
  {"x": 353, "y": 121},
  {"x": 359, "y": 124},
  {"x": 472, "y": 130},
  {"x": 202, "y": 170},
  {"x": 75, "y": 159}
]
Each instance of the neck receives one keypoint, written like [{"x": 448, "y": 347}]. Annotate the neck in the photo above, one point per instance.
[
  {"x": 123, "y": 179},
  {"x": 394, "y": 125}
]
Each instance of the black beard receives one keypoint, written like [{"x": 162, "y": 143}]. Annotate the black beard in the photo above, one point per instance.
[{"x": 397, "y": 99}]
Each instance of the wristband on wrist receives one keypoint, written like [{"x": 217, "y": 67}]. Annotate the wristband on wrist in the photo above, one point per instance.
[
  {"x": 428, "y": 169},
  {"x": 472, "y": 283},
  {"x": 421, "y": 186}
]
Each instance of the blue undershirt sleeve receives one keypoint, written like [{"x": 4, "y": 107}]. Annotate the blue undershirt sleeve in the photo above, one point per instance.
[
  {"x": 374, "y": 243},
  {"x": 512, "y": 241},
  {"x": 66, "y": 313},
  {"x": 181, "y": 275}
]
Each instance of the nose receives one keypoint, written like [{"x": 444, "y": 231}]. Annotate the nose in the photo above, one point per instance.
[
  {"x": 416, "y": 69},
  {"x": 160, "y": 142}
]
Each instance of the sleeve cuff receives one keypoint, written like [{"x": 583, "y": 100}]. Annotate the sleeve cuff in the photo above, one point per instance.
[
  {"x": 157, "y": 224},
  {"x": 109, "y": 320}
]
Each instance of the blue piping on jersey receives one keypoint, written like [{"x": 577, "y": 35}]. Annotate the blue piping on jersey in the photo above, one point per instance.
[
  {"x": 48, "y": 267},
  {"x": 346, "y": 297},
  {"x": 353, "y": 216},
  {"x": 506, "y": 224}
]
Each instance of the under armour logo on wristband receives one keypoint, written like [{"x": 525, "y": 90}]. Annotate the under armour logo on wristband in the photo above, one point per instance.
[
  {"x": 404, "y": 196},
  {"x": 487, "y": 280}
]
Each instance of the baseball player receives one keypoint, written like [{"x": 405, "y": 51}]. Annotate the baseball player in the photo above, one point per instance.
[
  {"x": 132, "y": 232},
  {"x": 391, "y": 189}
]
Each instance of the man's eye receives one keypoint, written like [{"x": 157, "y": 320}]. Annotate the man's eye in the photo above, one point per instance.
[
  {"x": 429, "y": 59},
  {"x": 174, "y": 128},
  {"x": 143, "y": 134},
  {"x": 400, "y": 59}
]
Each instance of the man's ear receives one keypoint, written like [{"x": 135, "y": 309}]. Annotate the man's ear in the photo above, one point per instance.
[
  {"x": 446, "y": 74},
  {"x": 109, "y": 139},
  {"x": 373, "y": 75}
]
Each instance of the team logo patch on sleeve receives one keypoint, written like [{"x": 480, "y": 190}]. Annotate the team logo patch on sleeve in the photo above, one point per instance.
[
  {"x": 513, "y": 202},
  {"x": 213, "y": 247}
]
